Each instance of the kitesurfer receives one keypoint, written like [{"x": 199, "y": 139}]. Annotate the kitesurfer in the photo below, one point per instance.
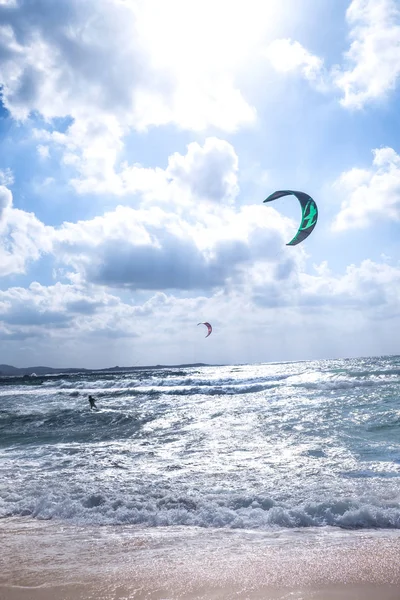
[{"x": 92, "y": 402}]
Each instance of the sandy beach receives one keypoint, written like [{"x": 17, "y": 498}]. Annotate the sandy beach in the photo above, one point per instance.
[{"x": 48, "y": 560}]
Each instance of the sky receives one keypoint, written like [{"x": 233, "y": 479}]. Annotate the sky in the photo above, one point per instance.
[{"x": 138, "y": 140}]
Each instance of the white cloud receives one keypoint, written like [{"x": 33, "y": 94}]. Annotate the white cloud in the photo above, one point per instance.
[
  {"x": 371, "y": 65},
  {"x": 370, "y": 194},
  {"x": 64, "y": 311},
  {"x": 64, "y": 320},
  {"x": 286, "y": 55},
  {"x": 207, "y": 172},
  {"x": 57, "y": 58},
  {"x": 6, "y": 177},
  {"x": 91, "y": 146},
  {"x": 22, "y": 236},
  {"x": 23, "y": 239},
  {"x": 43, "y": 151},
  {"x": 117, "y": 66},
  {"x": 372, "y": 287},
  {"x": 5, "y": 200},
  {"x": 374, "y": 54},
  {"x": 193, "y": 239},
  {"x": 156, "y": 249}
]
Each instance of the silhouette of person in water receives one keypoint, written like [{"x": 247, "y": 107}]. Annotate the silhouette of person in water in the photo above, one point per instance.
[{"x": 92, "y": 402}]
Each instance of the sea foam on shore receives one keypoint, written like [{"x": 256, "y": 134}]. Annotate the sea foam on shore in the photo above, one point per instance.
[{"x": 45, "y": 560}]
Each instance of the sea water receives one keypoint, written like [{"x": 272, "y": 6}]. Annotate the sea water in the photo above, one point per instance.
[{"x": 262, "y": 447}]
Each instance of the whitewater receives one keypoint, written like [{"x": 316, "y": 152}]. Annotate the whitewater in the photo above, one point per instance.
[{"x": 262, "y": 447}]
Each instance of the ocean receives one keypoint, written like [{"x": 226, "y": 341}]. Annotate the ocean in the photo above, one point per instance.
[{"x": 261, "y": 457}]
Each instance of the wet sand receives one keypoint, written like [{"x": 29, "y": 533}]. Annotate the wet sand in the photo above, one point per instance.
[{"x": 46, "y": 560}]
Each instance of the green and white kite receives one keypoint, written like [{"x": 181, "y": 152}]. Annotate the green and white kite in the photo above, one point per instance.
[{"x": 309, "y": 213}]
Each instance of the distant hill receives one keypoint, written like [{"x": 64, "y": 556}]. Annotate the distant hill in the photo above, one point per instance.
[{"x": 9, "y": 370}]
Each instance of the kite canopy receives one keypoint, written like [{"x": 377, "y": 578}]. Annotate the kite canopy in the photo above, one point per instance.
[
  {"x": 208, "y": 327},
  {"x": 309, "y": 214}
]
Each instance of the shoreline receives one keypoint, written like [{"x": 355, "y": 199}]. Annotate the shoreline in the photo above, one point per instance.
[
  {"x": 99, "y": 592},
  {"x": 47, "y": 560}
]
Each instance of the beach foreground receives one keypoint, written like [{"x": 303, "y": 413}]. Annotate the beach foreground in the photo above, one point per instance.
[{"x": 49, "y": 560}]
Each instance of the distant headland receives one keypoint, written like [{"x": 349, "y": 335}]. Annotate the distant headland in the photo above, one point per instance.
[{"x": 9, "y": 370}]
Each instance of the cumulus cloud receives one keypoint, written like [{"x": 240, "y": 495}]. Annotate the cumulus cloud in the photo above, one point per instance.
[
  {"x": 132, "y": 247},
  {"x": 5, "y": 200},
  {"x": 371, "y": 66},
  {"x": 370, "y": 194},
  {"x": 155, "y": 249},
  {"x": 286, "y": 55},
  {"x": 83, "y": 306},
  {"x": 117, "y": 66},
  {"x": 6, "y": 177},
  {"x": 373, "y": 59},
  {"x": 324, "y": 304},
  {"x": 22, "y": 236},
  {"x": 371, "y": 286},
  {"x": 186, "y": 234},
  {"x": 207, "y": 172},
  {"x": 56, "y": 58},
  {"x": 63, "y": 310},
  {"x": 90, "y": 146},
  {"x": 43, "y": 151}
]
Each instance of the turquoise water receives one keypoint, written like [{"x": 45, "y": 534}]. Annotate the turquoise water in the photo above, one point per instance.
[{"x": 265, "y": 446}]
